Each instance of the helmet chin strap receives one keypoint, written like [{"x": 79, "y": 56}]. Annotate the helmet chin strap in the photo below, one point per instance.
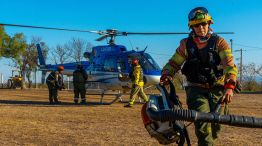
[{"x": 201, "y": 39}]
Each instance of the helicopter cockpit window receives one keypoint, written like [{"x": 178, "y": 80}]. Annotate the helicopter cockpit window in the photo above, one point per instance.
[
  {"x": 151, "y": 61},
  {"x": 123, "y": 49},
  {"x": 146, "y": 61},
  {"x": 109, "y": 65}
]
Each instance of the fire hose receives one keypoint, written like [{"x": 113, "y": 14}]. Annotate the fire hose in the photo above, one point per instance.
[{"x": 194, "y": 116}]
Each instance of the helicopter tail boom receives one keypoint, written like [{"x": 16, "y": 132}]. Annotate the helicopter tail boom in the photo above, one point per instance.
[{"x": 40, "y": 55}]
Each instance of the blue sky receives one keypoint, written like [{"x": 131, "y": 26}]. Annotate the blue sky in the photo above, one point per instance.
[{"x": 240, "y": 16}]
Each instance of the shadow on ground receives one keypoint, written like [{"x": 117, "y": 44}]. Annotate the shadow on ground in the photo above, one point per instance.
[
  {"x": 44, "y": 103},
  {"x": 257, "y": 92}
]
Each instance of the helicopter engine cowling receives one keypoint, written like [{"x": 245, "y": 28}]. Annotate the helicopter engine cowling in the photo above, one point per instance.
[{"x": 87, "y": 55}]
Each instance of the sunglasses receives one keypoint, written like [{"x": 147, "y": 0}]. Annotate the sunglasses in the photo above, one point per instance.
[
  {"x": 194, "y": 14},
  {"x": 202, "y": 24}
]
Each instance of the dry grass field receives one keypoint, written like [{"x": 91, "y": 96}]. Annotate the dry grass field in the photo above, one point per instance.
[{"x": 28, "y": 119}]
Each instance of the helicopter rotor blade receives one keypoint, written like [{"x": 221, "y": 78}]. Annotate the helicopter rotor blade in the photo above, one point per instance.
[
  {"x": 152, "y": 33},
  {"x": 110, "y": 31},
  {"x": 50, "y": 28},
  {"x": 102, "y": 37},
  {"x": 225, "y": 33},
  {"x": 164, "y": 33}
]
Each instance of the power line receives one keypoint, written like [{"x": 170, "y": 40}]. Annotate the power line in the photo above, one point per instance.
[
  {"x": 255, "y": 47},
  {"x": 160, "y": 54}
]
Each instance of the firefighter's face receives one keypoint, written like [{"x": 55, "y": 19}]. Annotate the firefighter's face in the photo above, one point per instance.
[
  {"x": 59, "y": 72},
  {"x": 201, "y": 29}
]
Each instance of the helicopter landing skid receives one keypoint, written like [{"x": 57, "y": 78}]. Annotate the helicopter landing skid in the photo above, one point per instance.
[{"x": 102, "y": 93}]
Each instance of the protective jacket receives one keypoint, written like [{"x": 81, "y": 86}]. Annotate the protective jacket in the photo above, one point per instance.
[
  {"x": 79, "y": 76},
  {"x": 54, "y": 79},
  {"x": 212, "y": 64},
  {"x": 137, "y": 75}
]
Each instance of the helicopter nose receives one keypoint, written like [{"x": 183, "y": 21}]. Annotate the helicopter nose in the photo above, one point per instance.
[{"x": 152, "y": 79}]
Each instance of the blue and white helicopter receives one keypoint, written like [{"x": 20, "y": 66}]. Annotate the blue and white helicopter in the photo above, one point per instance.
[{"x": 108, "y": 66}]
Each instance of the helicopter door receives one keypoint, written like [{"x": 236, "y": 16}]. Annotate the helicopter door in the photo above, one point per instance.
[
  {"x": 109, "y": 65},
  {"x": 121, "y": 67}
]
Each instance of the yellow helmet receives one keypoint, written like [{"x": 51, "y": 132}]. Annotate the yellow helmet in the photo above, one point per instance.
[{"x": 199, "y": 15}]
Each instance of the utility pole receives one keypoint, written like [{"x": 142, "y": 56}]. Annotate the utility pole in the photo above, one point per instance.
[
  {"x": 231, "y": 45},
  {"x": 35, "y": 78},
  {"x": 241, "y": 65}
]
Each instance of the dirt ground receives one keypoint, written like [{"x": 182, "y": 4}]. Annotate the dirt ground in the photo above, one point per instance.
[{"x": 28, "y": 119}]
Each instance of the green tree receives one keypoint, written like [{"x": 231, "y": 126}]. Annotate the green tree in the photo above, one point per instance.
[
  {"x": 13, "y": 48},
  {"x": 4, "y": 41},
  {"x": 15, "y": 52}
]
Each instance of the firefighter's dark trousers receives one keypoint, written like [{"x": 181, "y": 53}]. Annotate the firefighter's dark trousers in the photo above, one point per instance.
[
  {"x": 53, "y": 93},
  {"x": 79, "y": 89}
]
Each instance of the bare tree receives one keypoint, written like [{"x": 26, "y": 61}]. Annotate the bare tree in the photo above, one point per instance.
[
  {"x": 71, "y": 51},
  {"x": 250, "y": 73},
  {"x": 61, "y": 54},
  {"x": 78, "y": 47},
  {"x": 260, "y": 70}
]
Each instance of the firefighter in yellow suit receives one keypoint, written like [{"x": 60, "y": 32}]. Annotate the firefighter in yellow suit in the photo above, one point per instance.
[{"x": 136, "y": 76}]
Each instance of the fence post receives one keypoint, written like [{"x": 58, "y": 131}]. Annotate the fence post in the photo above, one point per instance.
[{"x": 68, "y": 82}]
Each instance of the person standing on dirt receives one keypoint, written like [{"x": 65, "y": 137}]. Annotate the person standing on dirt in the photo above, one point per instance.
[
  {"x": 79, "y": 81},
  {"x": 209, "y": 68},
  {"x": 54, "y": 82},
  {"x": 136, "y": 76}
]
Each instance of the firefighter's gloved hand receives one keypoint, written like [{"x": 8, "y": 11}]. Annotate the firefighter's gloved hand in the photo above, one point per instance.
[
  {"x": 165, "y": 77},
  {"x": 228, "y": 94}
]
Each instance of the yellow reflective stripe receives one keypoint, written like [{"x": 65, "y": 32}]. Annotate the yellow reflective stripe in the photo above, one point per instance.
[
  {"x": 136, "y": 74},
  {"x": 231, "y": 70},
  {"x": 209, "y": 130},
  {"x": 220, "y": 80},
  {"x": 178, "y": 59},
  {"x": 225, "y": 53}
]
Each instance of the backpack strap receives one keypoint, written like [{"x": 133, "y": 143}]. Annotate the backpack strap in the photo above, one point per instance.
[{"x": 191, "y": 47}]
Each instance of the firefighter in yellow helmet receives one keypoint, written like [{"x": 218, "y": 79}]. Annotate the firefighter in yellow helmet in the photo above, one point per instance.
[
  {"x": 209, "y": 68},
  {"x": 54, "y": 82},
  {"x": 136, "y": 76}
]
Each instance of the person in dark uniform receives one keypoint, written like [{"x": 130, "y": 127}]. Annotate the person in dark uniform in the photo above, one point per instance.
[
  {"x": 136, "y": 76},
  {"x": 79, "y": 80},
  {"x": 54, "y": 82}
]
